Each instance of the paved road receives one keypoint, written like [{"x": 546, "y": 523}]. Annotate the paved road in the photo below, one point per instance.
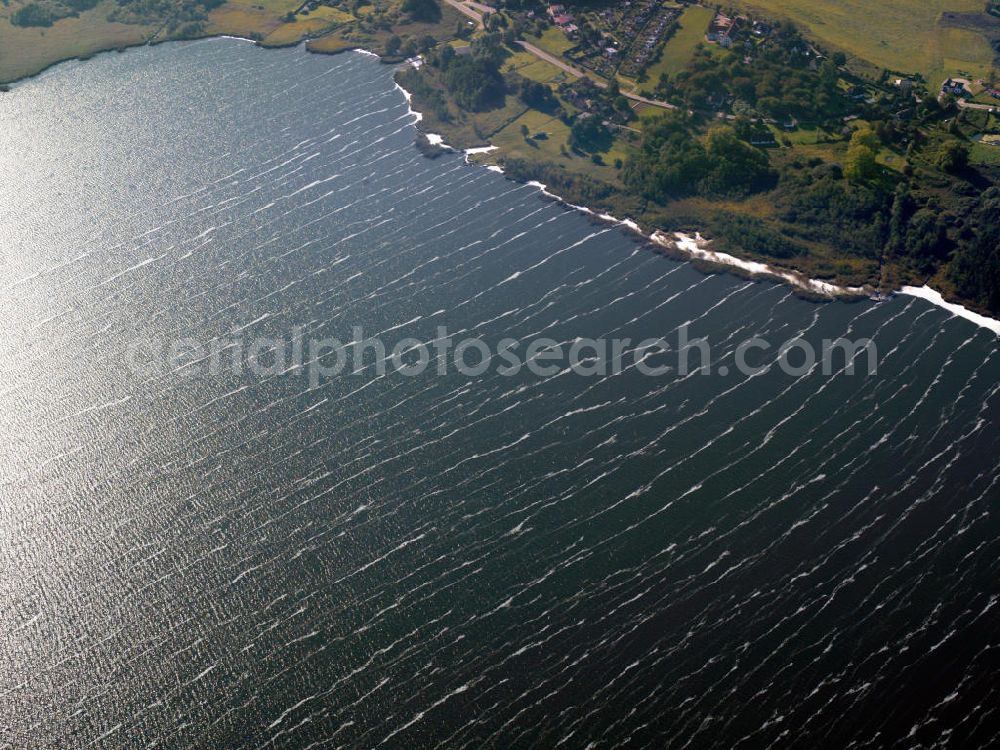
[
  {"x": 552, "y": 59},
  {"x": 576, "y": 72},
  {"x": 475, "y": 11},
  {"x": 481, "y": 8},
  {"x": 468, "y": 10},
  {"x": 987, "y": 107}
]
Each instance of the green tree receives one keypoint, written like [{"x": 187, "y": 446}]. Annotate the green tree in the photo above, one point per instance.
[
  {"x": 475, "y": 84},
  {"x": 952, "y": 157},
  {"x": 445, "y": 56},
  {"x": 589, "y": 134},
  {"x": 735, "y": 167},
  {"x": 489, "y": 47},
  {"x": 427, "y": 11},
  {"x": 976, "y": 268},
  {"x": 861, "y": 156},
  {"x": 537, "y": 95},
  {"x": 671, "y": 162},
  {"x": 861, "y": 164},
  {"x": 32, "y": 14}
]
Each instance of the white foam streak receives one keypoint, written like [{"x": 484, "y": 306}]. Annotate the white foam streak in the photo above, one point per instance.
[
  {"x": 696, "y": 247},
  {"x": 935, "y": 298}
]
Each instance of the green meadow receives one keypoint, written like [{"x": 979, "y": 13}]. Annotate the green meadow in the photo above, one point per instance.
[
  {"x": 902, "y": 35},
  {"x": 677, "y": 51}
]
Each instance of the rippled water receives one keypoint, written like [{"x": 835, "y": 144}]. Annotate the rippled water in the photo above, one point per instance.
[{"x": 242, "y": 562}]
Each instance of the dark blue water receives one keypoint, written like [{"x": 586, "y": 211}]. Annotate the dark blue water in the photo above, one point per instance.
[{"x": 235, "y": 560}]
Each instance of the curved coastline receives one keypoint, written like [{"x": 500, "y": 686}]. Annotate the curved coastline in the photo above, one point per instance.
[
  {"x": 696, "y": 249},
  {"x": 682, "y": 246}
]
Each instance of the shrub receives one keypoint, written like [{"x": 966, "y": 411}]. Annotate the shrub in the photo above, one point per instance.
[{"x": 32, "y": 14}]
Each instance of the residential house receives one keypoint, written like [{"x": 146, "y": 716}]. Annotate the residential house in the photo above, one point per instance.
[
  {"x": 955, "y": 87},
  {"x": 722, "y": 29}
]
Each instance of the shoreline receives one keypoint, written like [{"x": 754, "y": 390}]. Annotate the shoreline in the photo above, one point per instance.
[
  {"x": 694, "y": 249},
  {"x": 683, "y": 247},
  {"x": 935, "y": 298}
]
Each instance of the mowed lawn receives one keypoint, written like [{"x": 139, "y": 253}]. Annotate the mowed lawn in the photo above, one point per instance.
[
  {"x": 512, "y": 143},
  {"x": 985, "y": 154},
  {"x": 531, "y": 67},
  {"x": 904, "y": 35},
  {"x": 678, "y": 50},
  {"x": 552, "y": 41}
]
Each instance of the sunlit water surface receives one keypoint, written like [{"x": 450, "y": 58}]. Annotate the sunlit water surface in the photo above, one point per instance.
[{"x": 240, "y": 562}]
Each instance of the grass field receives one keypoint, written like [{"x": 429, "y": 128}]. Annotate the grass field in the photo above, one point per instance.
[
  {"x": 984, "y": 154},
  {"x": 315, "y": 23},
  {"x": 250, "y": 17},
  {"x": 350, "y": 35},
  {"x": 677, "y": 52},
  {"x": 903, "y": 35},
  {"x": 512, "y": 143},
  {"x": 25, "y": 51},
  {"x": 552, "y": 41},
  {"x": 531, "y": 67}
]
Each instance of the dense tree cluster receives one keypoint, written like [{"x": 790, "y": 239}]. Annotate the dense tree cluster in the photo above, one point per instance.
[
  {"x": 976, "y": 267},
  {"x": 475, "y": 84},
  {"x": 589, "y": 134},
  {"x": 674, "y": 162},
  {"x": 431, "y": 99},
  {"x": 186, "y": 17},
  {"x": 534, "y": 94},
  {"x": 37, "y": 14},
  {"x": 33, "y": 14},
  {"x": 816, "y": 203},
  {"x": 425, "y": 11},
  {"x": 753, "y": 235},
  {"x": 779, "y": 78},
  {"x": 473, "y": 80}
]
